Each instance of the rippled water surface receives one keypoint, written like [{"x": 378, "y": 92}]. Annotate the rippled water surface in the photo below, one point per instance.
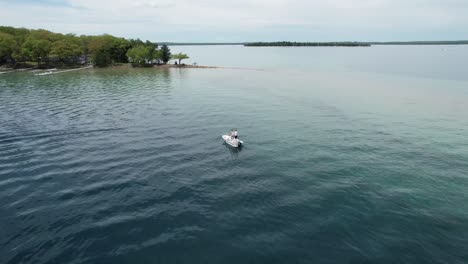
[{"x": 340, "y": 165}]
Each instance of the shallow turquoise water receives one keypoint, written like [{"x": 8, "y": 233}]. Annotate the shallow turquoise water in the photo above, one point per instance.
[{"x": 342, "y": 162}]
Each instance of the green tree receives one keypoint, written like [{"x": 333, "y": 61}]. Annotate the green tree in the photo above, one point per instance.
[
  {"x": 85, "y": 44},
  {"x": 20, "y": 34},
  {"x": 20, "y": 44},
  {"x": 37, "y": 50},
  {"x": 101, "y": 58},
  {"x": 136, "y": 42},
  {"x": 67, "y": 49},
  {"x": 7, "y": 46},
  {"x": 116, "y": 48},
  {"x": 45, "y": 35},
  {"x": 157, "y": 55},
  {"x": 141, "y": 54},
  {"x": 99, "y": 49},
  {"x": 180, "y": 57},
  {"x": 165, "y": 53}
]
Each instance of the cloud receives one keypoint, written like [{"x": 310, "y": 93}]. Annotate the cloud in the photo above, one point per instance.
[{"x": 246, "y": 20}]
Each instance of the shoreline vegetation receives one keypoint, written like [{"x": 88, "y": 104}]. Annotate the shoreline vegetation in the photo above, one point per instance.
[
  {"x": 22, "y": 48},
  {"x": 306, "y": 44}
]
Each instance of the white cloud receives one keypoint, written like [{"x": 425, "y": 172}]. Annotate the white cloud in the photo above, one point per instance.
[{"x": 205, "y": 20}]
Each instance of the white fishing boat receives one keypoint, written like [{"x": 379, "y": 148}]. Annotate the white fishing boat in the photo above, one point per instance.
[{"x": 232, "y": 139}]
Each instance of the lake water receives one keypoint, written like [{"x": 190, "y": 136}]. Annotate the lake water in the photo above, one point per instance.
[{"x": 352, "y": 155}]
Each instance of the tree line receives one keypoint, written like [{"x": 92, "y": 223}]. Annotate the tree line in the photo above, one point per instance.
[
  {"x": 306, "y": 44},
  {"x": 20, "y": 47}
]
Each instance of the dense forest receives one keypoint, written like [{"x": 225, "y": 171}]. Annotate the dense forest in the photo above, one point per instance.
[
  {"x": 20, "y": 47},
  {"x": 306, "y": 44}
]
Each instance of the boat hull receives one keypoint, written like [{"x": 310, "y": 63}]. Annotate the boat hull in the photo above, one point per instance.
[{"x": 231, "y": 141}]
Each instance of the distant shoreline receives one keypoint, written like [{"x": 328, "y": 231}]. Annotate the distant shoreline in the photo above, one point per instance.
[
  {"x": 416, "y": 43},
  {"x": 306, "y": 44},
  {"x": 382, "y": 43}
]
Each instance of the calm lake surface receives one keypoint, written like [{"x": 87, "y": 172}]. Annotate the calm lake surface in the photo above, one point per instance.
[{"x": 352, "y": 155}]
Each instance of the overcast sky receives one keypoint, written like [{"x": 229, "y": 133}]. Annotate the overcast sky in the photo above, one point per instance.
[{"x": 245, "y": 20}]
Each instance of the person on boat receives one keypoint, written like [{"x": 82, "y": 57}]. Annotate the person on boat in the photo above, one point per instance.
[{"x": 233, "y": 134}]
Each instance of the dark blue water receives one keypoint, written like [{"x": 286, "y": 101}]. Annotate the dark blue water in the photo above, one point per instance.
[{"x": 339, "y": 166}]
